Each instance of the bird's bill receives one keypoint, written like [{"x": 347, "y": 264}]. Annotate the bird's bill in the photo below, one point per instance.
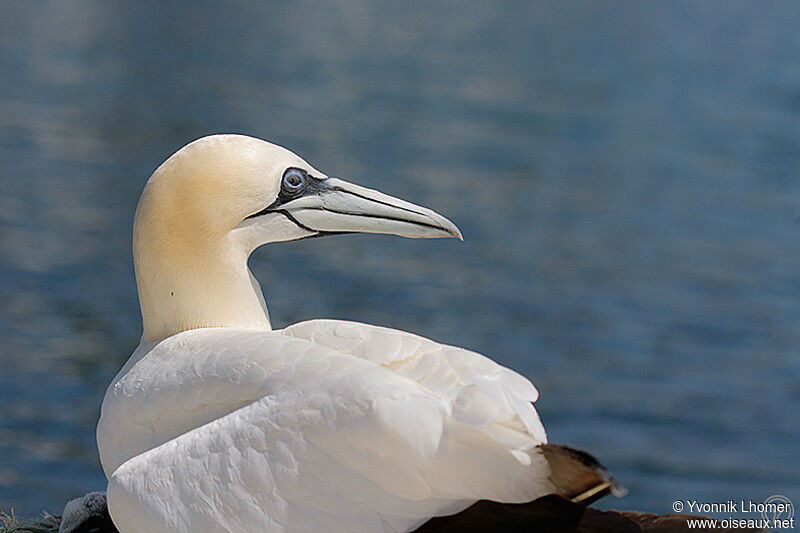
[{"x": 336, "y": 206}]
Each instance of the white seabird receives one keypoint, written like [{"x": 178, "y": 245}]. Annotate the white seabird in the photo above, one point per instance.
[{"x": 219, "y": 423}]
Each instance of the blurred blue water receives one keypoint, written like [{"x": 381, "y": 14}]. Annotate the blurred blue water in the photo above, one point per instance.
[{"x": 625, "y": 175}]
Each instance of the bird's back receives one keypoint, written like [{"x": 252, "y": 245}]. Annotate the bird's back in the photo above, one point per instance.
[{"x": 323, "y": 423}]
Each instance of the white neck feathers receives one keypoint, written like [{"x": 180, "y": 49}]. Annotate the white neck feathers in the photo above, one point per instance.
[{"x": 190, "y": 270}]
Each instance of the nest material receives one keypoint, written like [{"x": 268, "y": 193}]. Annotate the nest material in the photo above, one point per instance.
[{"x": 9, "y": 523}]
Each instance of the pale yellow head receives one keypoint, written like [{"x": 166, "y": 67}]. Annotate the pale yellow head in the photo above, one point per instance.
[{"x": 208, "y": 206}]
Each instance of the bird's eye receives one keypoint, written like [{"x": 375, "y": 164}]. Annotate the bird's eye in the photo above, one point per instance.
[{"x": 294, "y": 180}]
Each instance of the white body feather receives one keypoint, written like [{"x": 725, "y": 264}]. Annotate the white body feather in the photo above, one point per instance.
[{"x": 323, "y": 426}]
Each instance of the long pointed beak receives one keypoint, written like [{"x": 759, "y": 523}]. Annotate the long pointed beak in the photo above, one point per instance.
[{"x": 336, "y": 206}]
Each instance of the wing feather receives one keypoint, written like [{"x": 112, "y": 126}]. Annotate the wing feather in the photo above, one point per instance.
[
  {"x": 476, "y": 390},
  {"x": 326, "y": 425}
]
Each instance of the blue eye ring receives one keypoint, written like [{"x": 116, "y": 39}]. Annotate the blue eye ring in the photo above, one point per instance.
[{"x": 294, "y": 181}]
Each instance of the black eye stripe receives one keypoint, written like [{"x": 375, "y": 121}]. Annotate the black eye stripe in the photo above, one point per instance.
[{"x": 309, "y": 185}]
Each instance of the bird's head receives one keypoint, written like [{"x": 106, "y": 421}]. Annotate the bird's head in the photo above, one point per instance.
[
  {"x": 257, "y": 192},
  {"x": 208, "y": 206}
]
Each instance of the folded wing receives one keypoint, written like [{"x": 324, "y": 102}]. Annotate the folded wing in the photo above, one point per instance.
[
  {"x": 476, "y": 390},
  {"x": 323, "y": 426}
]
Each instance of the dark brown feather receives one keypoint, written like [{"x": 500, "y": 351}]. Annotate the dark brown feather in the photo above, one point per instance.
[
  {"x": 579, "y": 480},
  {"x": 555, "y": 514}
]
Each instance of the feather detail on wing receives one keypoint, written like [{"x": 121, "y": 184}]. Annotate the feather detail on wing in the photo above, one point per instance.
[
  {"x": 476, "y": 390},
  {"x": 326, "y": 424}
]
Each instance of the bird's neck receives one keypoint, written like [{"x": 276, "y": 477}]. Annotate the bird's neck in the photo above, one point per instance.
[{"x": 198, "y": 285}]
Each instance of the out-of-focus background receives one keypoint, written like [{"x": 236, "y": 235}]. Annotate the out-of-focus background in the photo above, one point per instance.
[{"x": 626, "y": 175}]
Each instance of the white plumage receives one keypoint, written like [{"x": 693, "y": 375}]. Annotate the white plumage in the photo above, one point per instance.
[
  {"x": 315, "y": 426},
  {"x": 217, "y": 423}
]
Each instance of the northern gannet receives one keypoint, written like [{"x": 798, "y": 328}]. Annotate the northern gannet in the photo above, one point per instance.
[{"x": 219, "y": 423}]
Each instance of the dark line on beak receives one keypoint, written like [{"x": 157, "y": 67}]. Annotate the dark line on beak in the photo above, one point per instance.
[
  {"x": 325, "y": 234},
  {"x": 285, "y": 213},
  {"x": 319, "y": 187},
  {"x": 299, "y": 224},
  {"x": 316, "y": 233},
  {"x": 269, "y": 209},
  {"x": 339, "y": 189},
  {"x": 367, "y": 215}
]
